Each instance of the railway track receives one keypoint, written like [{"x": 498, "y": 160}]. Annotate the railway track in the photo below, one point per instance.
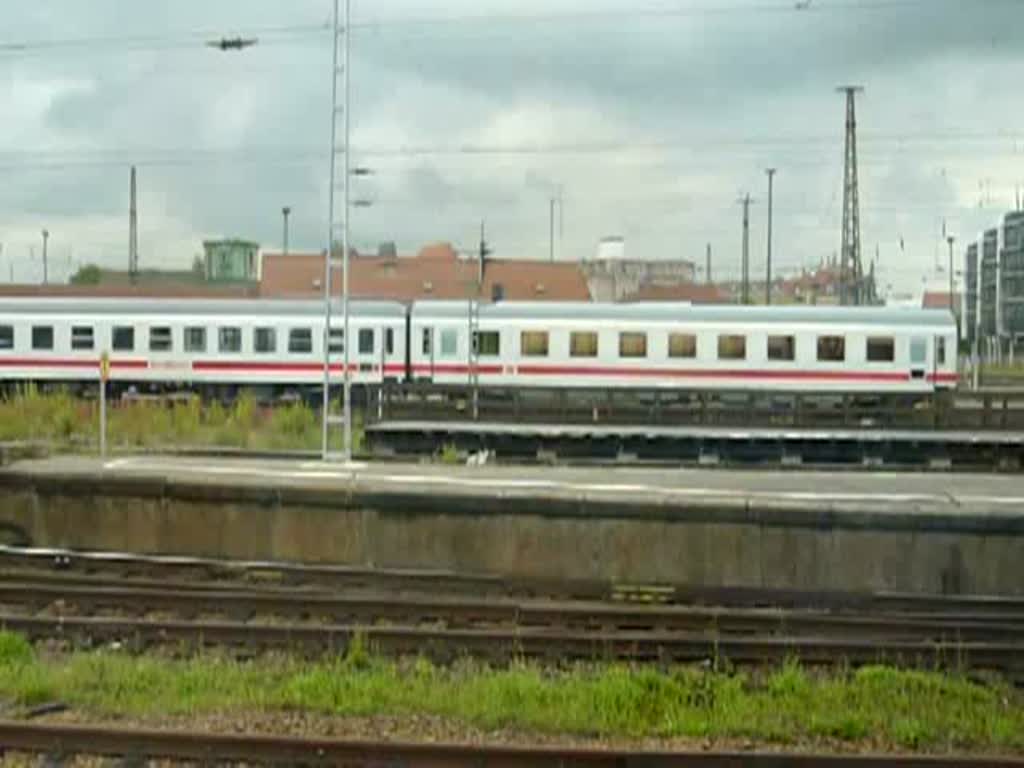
[
  {"x": 314, "y": 622},
  {"x": 72, "y": 568},
  {"x": 137, "y": 745}
]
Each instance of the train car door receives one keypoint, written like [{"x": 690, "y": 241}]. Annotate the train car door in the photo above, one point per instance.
[
  {"x": 939, "y": 361},
  {"x": 427, "y": 340},
  {"x": 918, "y": 357}
]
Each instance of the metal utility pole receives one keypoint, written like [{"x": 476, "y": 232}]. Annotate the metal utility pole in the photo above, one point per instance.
[
  {"x": 952, "y": 304},
  {"x": 285, "y": 213},
  {"x": 46, "y": 238},
  {"x": 707, "y": 273},
  {"x": 850, "y": 269},
  {"x": 768, "y": 276},
  {"x": 555, "y": 201},
  {"x": 340, "y": 32},
  {"x": 133, "y": 233},
  {"x": 745, "y": 267}
]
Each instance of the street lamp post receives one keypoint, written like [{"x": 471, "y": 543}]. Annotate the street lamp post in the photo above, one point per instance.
[
  {"x": 46, "y": 239},
  {"x": 952, "y": 303},
  {"x": 768, "y": 278}
]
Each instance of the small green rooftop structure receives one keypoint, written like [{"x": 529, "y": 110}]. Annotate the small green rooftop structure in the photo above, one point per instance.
[{"x": 231, "y": 261}]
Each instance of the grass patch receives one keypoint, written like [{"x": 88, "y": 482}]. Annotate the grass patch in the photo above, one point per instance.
[
  {"x": 871, "y": 706},
  {"x": 68, "y": 423}
]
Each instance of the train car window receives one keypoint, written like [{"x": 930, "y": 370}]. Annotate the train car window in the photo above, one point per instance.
[
  {"x": 732, "y": 347},
  {"x": 389, "y": 341},
  {"x": 195, "y": 339},
  {"x": 82, "y": 337},
  {"x": 336, "y": 340},
  {"x": 449, "y": 343},
  {"x": 42, "y": 337},
  {"x": 6, "y": 337},
  {"x": 632, "y": 344},
  {"x": 122, "y": 338},
  {"x": 534, "y": 343},
  {"x": 782, "y": 348},
  {"x": 160, "y": 339},
  {"x": 427, "y": 346},
  {"x": 300, "y": 341},
  {"x": 831, "y": 349},
  {"x": 918, "y": 351},
  {"x": 229, "y": 340},
  {"x": 487, "y": 343},
  {"x": 682, "y": 345},
  {"x": 583, "y": 344},
  {"x": 940, "y": 351},
  {"x": 264, "y": 341},
  {"x": 881, "y": 349},
  {"x": 366, "y": 343}
]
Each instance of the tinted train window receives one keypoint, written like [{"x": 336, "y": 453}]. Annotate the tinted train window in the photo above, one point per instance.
[
  {"x": 81, "y": 337},
  {"x": 42, "y": 337},
  {"x": 682, "y": 345},
  {"x": 6, "y": 337},
  {"x": 487, "y": 343},
  {"x": 782, "y": 348},
  {"x": 229, "y": 340},
  {"x": 831, "y": 349},
  {"x": 337, "y": 340},
  {"x": 300, "y": 341},
  {"x": 160, "y": 339},
  {"x": 918, "y": 351},
  {"x": 534, "y": 343},
  {"x": 940, "y": 351},
  {"x": 195, "y": 339},
  {"x": 366, "y": 341},
  {"x": 632, "y": 345},
  {"x": 122, "y": 338},
  {"x": 389, "y": 341},
  {"x": 881, "y": 349},
  {"x": 732, "y": 347},
  {"x": 583, "y": 344},
  {"x": 264, "y": 341},
  {"x": 426, "y": 341}
]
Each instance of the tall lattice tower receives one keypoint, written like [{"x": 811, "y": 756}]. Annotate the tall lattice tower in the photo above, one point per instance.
[{"x": 851, "y": 274}]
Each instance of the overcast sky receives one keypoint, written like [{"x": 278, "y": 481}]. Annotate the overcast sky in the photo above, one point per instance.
[{"x": 650, "y": 119}]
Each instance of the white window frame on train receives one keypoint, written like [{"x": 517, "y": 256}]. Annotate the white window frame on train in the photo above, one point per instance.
[
  {"x": 534, "y": 343},
  {"x": 82, "y": 338},
  {"x": 632, "y": 345},
  {"x": 367, "y": 341},
  {"x": 449, "y": 343},
  {"x": 300, "y": 341},
  {"x": 42, "y": 337},
  {"x": 682, "y": 346},
  {"x": 264, "y": 340},
  {"x": 880, "y": 349},
  {"x": 487, "y": 343},
  {"x": 584, "y": 344},
  {"x": 122, "y": 338},
  {"x": 781, "y": 348},
  {"x": 831, "y": 348},
  {"x": 732, "y": 347},
  {"x": 229, "y": 340},
  {"x": 336, "y": 341},
  {"x": 195, "y": 339},
  {"x": 161, "y": 339}
]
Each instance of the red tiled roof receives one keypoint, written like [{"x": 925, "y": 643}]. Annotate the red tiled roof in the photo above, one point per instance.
[
  {"x": 692, "y": 292},
  {"x": 436, "y": 273},
  {"x": 939, "y": 300}
]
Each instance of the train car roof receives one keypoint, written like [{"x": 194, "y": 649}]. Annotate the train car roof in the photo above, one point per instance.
[
  {"x": 679, "y": 312},
  {"x": 134, "y": 307}
]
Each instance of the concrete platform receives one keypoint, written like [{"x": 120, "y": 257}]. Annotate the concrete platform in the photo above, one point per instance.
[{"x": 933, "y": 533}]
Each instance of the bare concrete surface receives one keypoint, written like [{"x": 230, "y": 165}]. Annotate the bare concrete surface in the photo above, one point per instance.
[{"x": 858, "y": 531}]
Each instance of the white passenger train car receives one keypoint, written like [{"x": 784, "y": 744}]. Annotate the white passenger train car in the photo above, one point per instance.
[
  {"x": 197, "y": 342},
  {"x": 833, "y": 349}
]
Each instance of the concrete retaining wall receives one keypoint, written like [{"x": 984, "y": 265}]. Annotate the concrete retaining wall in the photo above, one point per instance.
[{"x": 735, "y": 542}]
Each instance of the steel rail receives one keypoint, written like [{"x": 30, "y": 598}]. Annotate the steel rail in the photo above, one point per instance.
[
  {"x": 61, "y": 565},
  {"x": 39, "y": 738},
  {"x": 459, "y": 612},
  {"x": 503, "y": 644}
]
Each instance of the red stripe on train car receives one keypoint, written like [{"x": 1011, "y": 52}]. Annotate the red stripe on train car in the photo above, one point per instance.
[{"x": 22, "y": 362}]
